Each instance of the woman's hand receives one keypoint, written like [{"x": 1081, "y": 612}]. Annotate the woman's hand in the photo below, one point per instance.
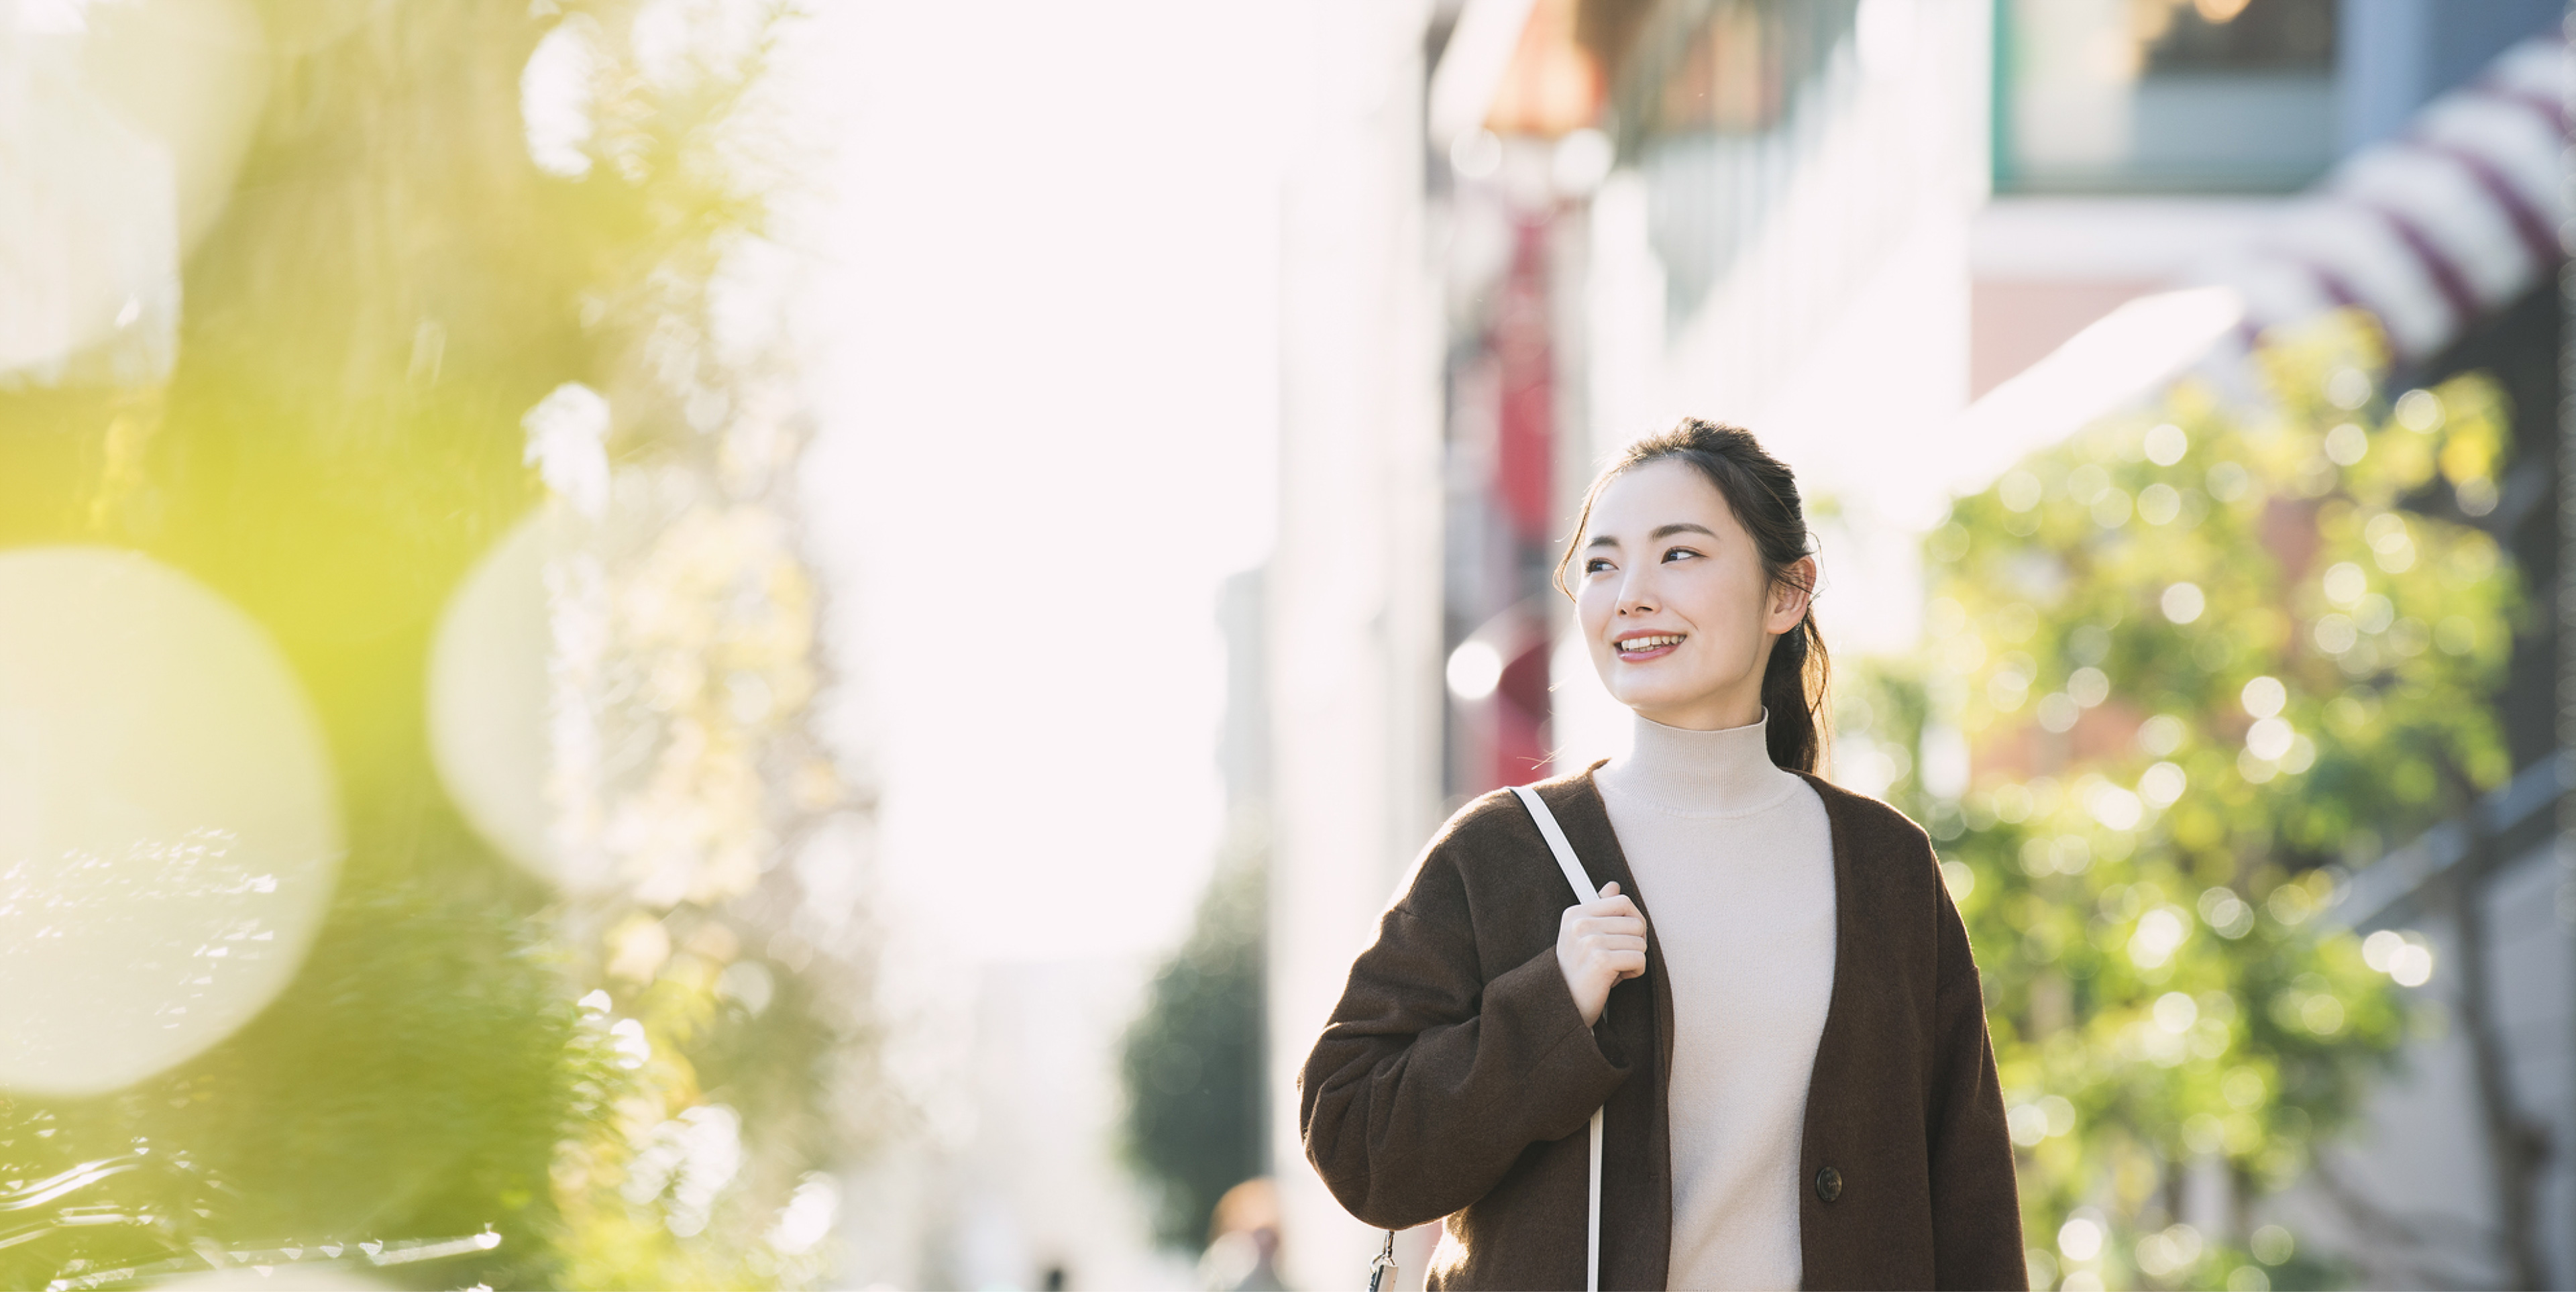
[{"x": 1597, "y": 945}]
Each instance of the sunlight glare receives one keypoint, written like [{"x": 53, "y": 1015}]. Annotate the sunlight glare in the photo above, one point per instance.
[{"x": 169, "y": 833}]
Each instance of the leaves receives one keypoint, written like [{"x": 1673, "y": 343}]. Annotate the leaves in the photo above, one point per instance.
[
  {"x": 1191, "y": 1064},
  {"x": 391, "y": 284},
  {"x": 2197, "y": 658}
]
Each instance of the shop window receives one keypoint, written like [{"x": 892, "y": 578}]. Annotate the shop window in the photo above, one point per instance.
[{"x": 2163, "y": 95}]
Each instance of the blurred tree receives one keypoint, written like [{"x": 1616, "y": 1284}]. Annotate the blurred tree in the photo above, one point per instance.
[
  {"x": 1192, "y": 1061},
  {"x": 444, "y": 212},
  {"x": 2181, "y": 668}
]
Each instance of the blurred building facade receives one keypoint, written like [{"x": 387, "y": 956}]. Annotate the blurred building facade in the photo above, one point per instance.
[{"x": 1760, "y": 213}]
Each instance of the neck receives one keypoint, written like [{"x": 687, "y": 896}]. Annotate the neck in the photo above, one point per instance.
[
  {"x": 1737, "y": 703},
  {"x": 1719, "y": 714},
  {"x": 1724, "y": 770}
]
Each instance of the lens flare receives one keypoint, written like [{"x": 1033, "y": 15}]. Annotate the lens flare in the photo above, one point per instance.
[
  {"x": 169, "y": 832},
  {"x": 487, "y": 699},
  {"x": 126, "y": 127}
]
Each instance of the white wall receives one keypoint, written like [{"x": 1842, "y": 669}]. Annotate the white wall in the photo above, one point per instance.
[{"x": 1354, "y": 613}]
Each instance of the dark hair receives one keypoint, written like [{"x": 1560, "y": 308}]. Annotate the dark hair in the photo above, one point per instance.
[{"x": 1763, "y": 494}]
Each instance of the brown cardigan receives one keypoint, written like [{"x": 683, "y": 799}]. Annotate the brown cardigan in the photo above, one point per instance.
[{"x": 1456, "y": 1078}]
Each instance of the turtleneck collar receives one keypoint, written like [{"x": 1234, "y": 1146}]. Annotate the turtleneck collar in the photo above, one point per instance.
[{"x": 1728, "y": 772}]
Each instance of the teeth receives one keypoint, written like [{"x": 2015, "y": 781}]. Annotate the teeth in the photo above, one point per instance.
[{"x": 1649, "y": 643}]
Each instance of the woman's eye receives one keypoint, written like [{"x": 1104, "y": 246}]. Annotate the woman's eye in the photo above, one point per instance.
[
  {"x": 1595, "y": 565},
  {"x": 1678, "y": 553}
]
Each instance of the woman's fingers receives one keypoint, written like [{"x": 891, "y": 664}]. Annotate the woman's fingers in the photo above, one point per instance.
[
  {"x": 1622, "y": 925},
  {"x": 1599, "y": 943}
]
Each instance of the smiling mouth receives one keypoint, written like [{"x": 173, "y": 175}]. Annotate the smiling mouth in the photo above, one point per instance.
[{"x": 1648, "y": 645}]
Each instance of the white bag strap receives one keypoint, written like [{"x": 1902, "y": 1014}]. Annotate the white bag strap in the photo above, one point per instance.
[
  {"x": 1565, "y": 858},
  {"x": 1583, "y": 892}
]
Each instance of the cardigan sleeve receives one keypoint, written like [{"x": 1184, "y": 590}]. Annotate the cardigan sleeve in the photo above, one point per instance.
[
  {"x": 1976, "y": 1202},
  {"x": 1429, "y": 1081}
]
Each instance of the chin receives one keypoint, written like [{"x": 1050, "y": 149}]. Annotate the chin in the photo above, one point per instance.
[
  {"x": 1655, "y": 696},
  {"x": 1650, "y": 691}
]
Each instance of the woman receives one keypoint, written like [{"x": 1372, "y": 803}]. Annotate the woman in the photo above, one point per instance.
[{"x": 1772, "y": 1001}]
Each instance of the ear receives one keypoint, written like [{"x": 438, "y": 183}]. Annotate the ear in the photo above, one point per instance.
[{"x": 1790, "y": 595}]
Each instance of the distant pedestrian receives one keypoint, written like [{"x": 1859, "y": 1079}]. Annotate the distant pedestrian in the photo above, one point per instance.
[
  {"x": 1243, "y": 1240},
  {"x": 1789, "y": 1059}
]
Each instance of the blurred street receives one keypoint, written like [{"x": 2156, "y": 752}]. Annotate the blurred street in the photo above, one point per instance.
[{"x": 716, "y": 643}]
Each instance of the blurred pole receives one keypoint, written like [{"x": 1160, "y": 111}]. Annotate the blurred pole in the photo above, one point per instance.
[
  {"x": 2566, "y": 845},
  {"x": 2566, "y": 590},
  {"x": 1355, "y": 594}
]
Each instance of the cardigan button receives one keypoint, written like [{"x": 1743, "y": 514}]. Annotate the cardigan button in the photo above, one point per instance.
[{"x": 1829, "y": 1184}]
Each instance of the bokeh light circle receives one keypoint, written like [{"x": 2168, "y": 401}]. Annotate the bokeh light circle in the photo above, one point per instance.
[
  {"x": 169, "y": 831},
  {"x": 127, "y": 130},
  {"x": 488, "y": 698}
]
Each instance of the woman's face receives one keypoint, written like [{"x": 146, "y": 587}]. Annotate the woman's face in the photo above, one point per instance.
[{"x": 1673, "y": 602}]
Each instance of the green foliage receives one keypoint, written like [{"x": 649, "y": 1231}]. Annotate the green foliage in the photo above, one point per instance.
[
  {"x": 1192, "y": 1062},
  {"x": 412, "y": 1082},
  {"x": 390, "y": 284},
  {"x": 2195, "y": 658}
]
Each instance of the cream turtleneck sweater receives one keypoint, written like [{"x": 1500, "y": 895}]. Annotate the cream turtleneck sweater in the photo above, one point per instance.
[{"x": 1734, "y": 862}]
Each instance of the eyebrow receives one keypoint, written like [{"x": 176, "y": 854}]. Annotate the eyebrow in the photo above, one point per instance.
[{"x": 1660, "y": 531}]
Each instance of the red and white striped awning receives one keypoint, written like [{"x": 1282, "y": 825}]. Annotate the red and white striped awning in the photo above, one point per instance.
[{"x": 2433, "y": 230}]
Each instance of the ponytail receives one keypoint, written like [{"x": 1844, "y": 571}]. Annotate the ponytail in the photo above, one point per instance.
[
  {"x": 1793, "y": 693},
  {"x": 1763, "y": 493}
]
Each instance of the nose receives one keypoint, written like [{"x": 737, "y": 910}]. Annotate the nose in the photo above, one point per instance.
[{"x": 1636, "y": 596}]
